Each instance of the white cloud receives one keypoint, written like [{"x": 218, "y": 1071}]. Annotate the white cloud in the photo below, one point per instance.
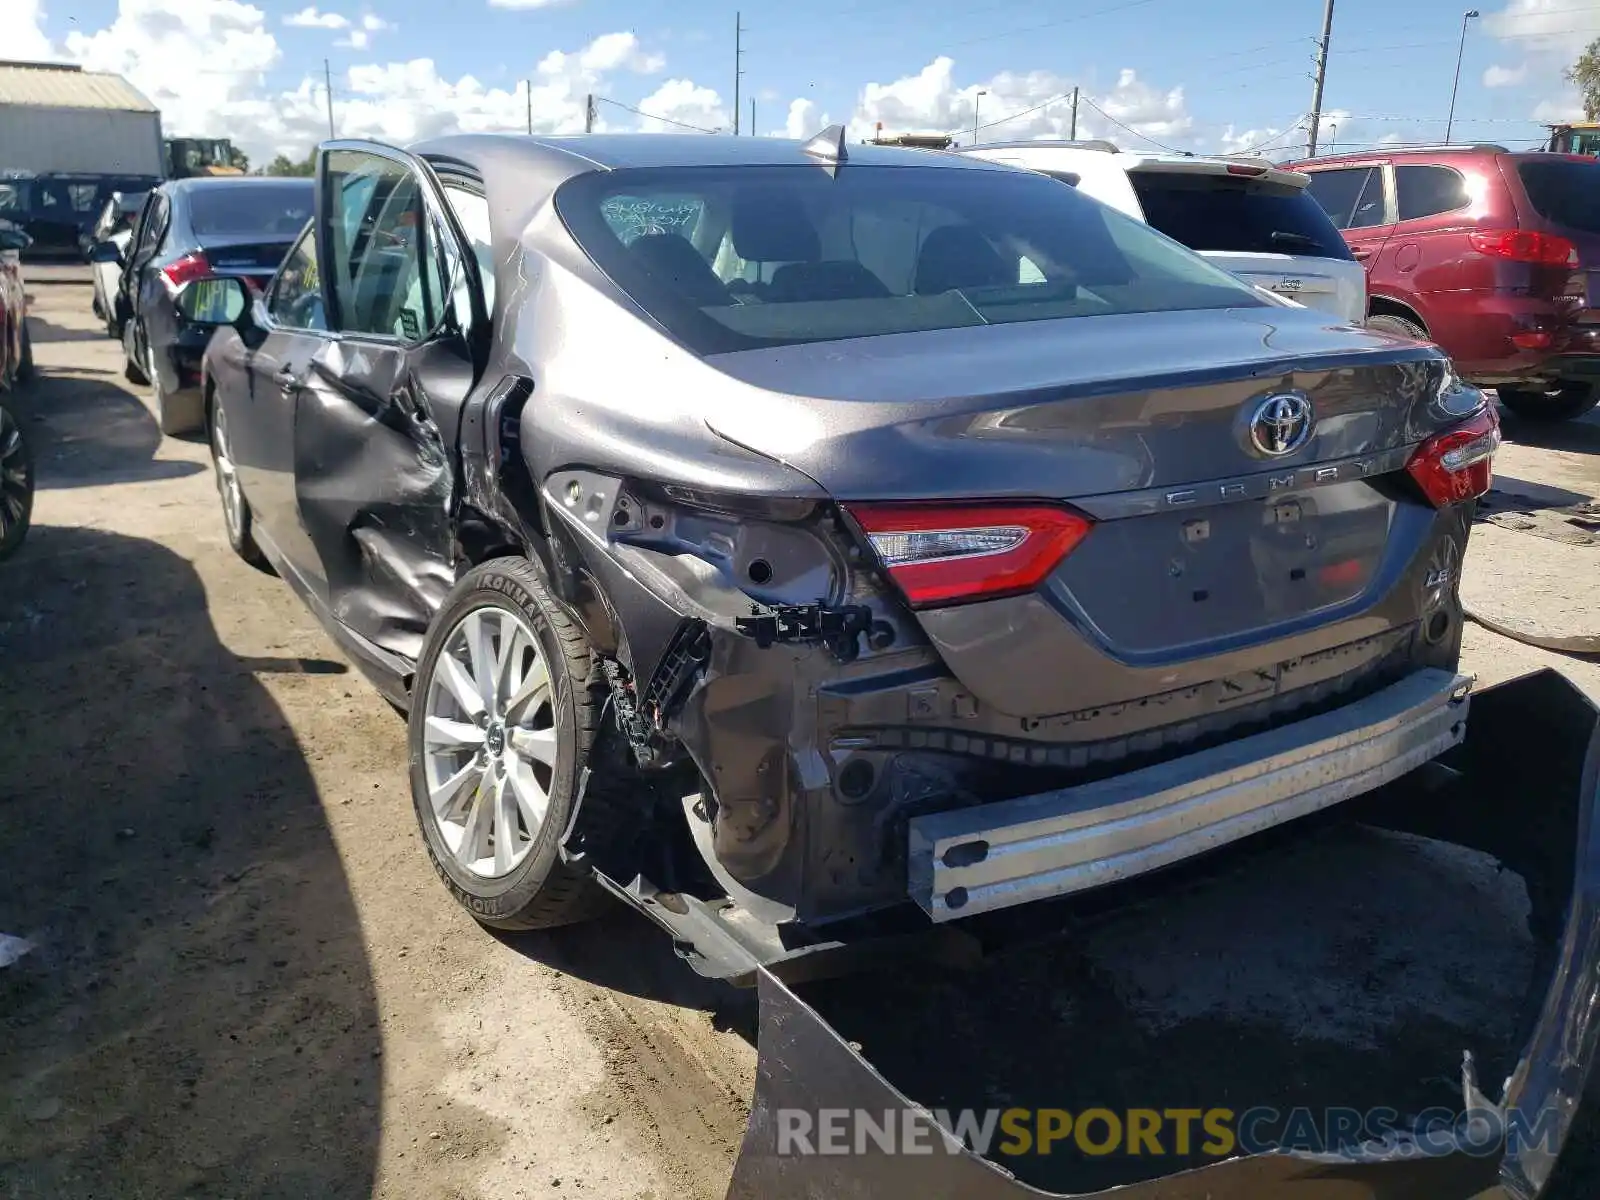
[
  {"x": 1557, "y": 112},
  {"x": 1544, "y": 27},
  {"x": 226, "y": 92},
  {"x": 684, "y": 103},
  {"x": 1549, "y": 35},
  {"x": 1015, "y": 105},
  {"x": 22, "y": 32},
  {"x": 1497, "y": 76},
  {"x": 799, "y": 122},
  {"x": 310, "y": 18}
]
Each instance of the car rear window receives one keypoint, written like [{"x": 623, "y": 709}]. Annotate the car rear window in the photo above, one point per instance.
[
  {"x": 279, "y": 210},
  {"x": 1226, "y": 212},
  {"x": 1564, "y": 192},
  {"x": 732, "y": 258}
]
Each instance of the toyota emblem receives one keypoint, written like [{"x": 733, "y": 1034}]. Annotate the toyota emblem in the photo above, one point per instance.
[{"x": 1281, "y": 424}]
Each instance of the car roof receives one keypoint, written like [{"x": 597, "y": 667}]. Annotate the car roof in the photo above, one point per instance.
[
  {"x": 614, "y": 151},
  {"x": 1103, "y": 156}
]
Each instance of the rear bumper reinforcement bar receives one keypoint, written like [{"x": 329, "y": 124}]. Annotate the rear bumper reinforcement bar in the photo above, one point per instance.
[{"x": 993, "y": 856}]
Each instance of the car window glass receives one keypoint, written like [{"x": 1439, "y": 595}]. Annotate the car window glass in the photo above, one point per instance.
[
  {"x": 1423, "y": 191},
  {"x": 1564, "y": 192},
  {"x": 155, "y": 218},
  {"x": 472, "y": 210},
  {"x": 10, "y": 197},
  {"x": 1237, "y": 214},
  {"x": 1370, "y": 208},
  {"x": 1338, "y": 191},
  {"x": 730, "y": 258},
  {"x": 296, "y": 300},
  {"x": 83, "y": 196},
  {"x": 280, "y": 209},
  {"x": 388, "y": 272}
]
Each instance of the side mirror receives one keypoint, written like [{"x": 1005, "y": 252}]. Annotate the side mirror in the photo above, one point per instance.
[
  {"x": 213, "y": 302},
  {"x": 14, "y": 239},
  {"x": 105, "y": 252}
]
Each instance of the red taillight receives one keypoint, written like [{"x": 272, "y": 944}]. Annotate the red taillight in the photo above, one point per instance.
[
  {"x": 945, "y": 553},
  {"x": 1458, "y": 464},
  {"x": 1238, "y": 169},
  {"x": 186, "y": 270},
  {"x": 1532, "y": 339},
  {"x": 1522, "y": 245}
]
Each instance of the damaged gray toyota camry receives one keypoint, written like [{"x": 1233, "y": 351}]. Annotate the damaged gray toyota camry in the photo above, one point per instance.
[
  {"x": 835, "y": 550},
  {"x": 915, "y": 527}
]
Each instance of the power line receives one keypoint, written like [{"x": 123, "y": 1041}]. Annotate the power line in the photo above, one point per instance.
[
  {"x": 1299, "y": 123},
  {"x": 1023, "y": 112},
  {"x": 652, "y": 116},
  {"x": 1131, "y": 129}
]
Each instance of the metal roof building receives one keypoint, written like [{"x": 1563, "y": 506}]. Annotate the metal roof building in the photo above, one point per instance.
[
  {"x": 57, "y": 85},
  {"x": 56, "y": 117}
]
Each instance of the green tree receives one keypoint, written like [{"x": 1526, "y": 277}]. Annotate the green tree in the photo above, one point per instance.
[
  {"x": 284, "y": 165},
  {"x": 1586, "y": 74}
]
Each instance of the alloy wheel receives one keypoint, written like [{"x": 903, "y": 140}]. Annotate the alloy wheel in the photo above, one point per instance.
[
  {"x": 16, "y": 477},
  {"x": 490, "y": 741},
  {"x": 227, "y": 477}
]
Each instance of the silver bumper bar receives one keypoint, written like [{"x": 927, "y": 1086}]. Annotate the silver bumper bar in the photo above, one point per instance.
[{"x": 993, "y": 856}]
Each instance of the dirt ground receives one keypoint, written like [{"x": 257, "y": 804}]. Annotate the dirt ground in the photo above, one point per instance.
[{"x": 246, "y": 979}]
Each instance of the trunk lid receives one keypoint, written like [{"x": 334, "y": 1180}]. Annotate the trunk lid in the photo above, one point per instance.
[
  {"x": 250, "y": 255},
  {"x": 1205, "y": 544}
]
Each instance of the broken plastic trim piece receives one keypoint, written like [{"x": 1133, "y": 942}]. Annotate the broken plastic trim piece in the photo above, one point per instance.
[{"x": 839, "y": 629}]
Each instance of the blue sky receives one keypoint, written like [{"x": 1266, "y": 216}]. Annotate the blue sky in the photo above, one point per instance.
[{"x": 1202, "y": 75}]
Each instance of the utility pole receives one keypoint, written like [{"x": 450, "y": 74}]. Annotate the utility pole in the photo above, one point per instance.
[
  {"x": 527, "y": 85},
  {"x": 588, "y": 113},
  {"x": 1449, "y": 121},
  {"x": 327, "y": 86},
  {"x": 1073, "y": 134},
  {"x": 738, "y": 66},
  {"x": 975, "y": 100},
  {"x": 752, "y": 116},
  {"x": 1322, "y": 75}
]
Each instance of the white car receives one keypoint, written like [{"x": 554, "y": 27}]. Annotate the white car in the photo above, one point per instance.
[{"x": 1252, "y": 218}]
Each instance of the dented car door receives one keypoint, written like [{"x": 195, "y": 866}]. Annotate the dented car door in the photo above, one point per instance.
[{"x": 375, "y": 414}]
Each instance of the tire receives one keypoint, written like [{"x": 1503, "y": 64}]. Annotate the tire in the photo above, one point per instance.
[
  {"x": 237, "y": 519},
  {"x": 1404, "y": 326},
  {"x": 16, "y": 485},
  {"x": 132, "y": 371},
  {"x": 515, "y": 882},
  {"x": 1564, "y": 402},
  {"x": 25, "y": 364}
]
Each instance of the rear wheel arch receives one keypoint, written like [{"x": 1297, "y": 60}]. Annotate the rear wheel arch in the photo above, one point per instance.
[{"x": 1384, "y": 306}]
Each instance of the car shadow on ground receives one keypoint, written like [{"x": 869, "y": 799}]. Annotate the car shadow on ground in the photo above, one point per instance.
[
  {"x": 624, "y": 951},
  {"x": 197, "y": 1016},
  {"x": 99, "y": 433},
  {"x": 1581, "y": 436},
  {"x": 47, "y": 331}
]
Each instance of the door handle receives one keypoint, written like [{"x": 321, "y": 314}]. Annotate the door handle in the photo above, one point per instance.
[
  {"x": 286, "y": 379},
  {"x": 1359, "y": 252}
]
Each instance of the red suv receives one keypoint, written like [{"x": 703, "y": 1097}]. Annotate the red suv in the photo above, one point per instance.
[{"x": 1493, "y": 255}]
